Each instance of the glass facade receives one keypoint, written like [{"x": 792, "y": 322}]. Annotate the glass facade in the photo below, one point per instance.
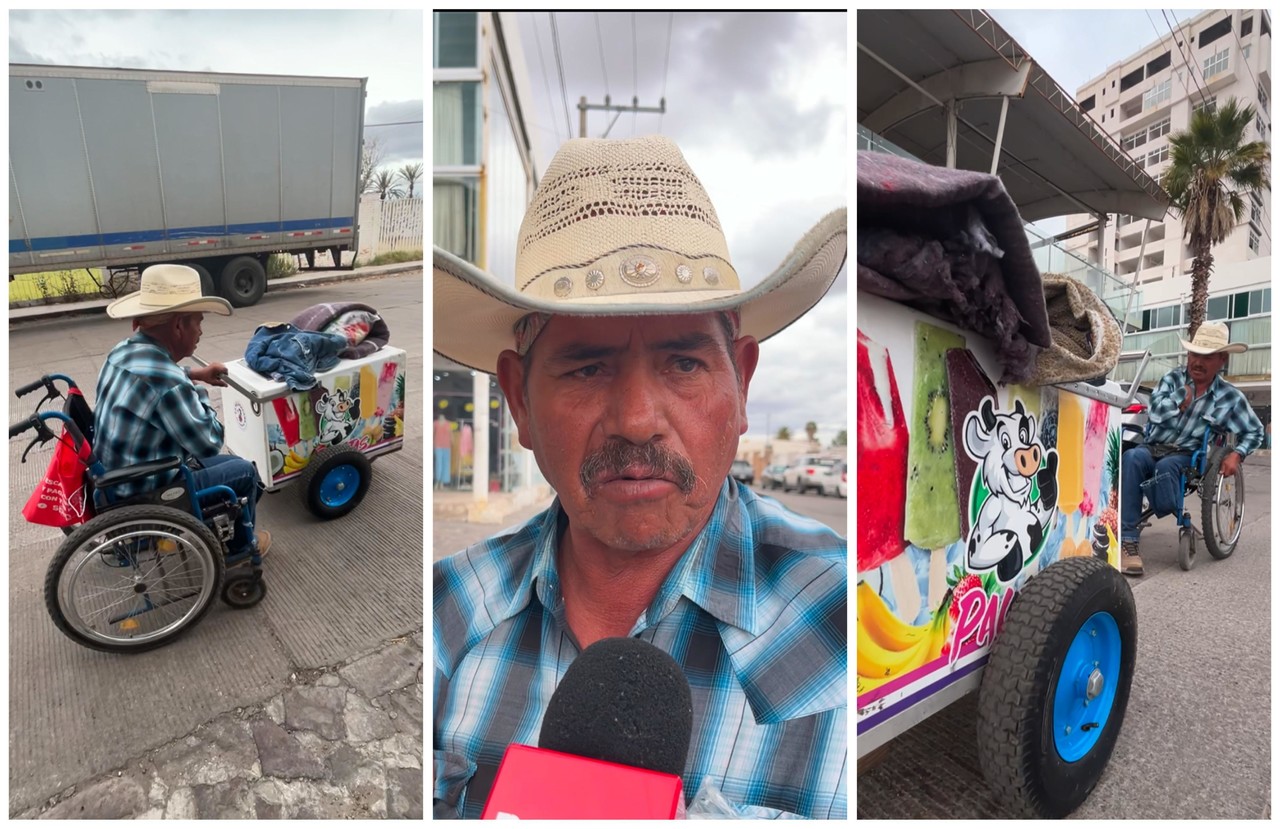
[{"x": 456, "y": 37}]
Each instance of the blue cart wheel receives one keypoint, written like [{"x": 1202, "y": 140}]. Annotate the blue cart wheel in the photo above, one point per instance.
[
  {"x": 335, "y": 481},
  {"x": 1056, "y": 685},
  {"x": 1086, "y": 687}
]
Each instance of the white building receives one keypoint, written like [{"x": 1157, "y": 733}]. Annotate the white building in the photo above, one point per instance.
[
  {"x": 483, "y": 176},
  {"x": 1214, "y": 56}
]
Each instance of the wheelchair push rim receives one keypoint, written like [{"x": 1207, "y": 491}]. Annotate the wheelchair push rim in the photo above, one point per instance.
[
  {"x": 1228, "y": 510},
  {"x": 136, "y": 584}
]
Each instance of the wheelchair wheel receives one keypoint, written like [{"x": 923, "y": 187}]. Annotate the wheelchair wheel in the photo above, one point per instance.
[
  {"x": 241, "y": 592},
  {"x": 133, "y": 578},
  {"x": 1186, "y": 549},
  {"x": 1223, "y": 502}
]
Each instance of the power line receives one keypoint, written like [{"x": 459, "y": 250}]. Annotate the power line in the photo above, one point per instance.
[
  {"x": 603, "y": 71},
  {"x": 546, "y": 78},
  {"x": 666, "y": 66},
  {"x": 564, "y": 96},
  {"x": 393, "y": 124},
  {"x": 1193, "y": 71}
]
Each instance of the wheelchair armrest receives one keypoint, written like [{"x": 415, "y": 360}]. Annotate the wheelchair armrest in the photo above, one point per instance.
[{"x": 136, "y": 472}]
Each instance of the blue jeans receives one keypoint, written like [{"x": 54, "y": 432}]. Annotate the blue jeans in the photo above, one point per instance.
[
  {"x": 442, "y": 466},
  {"x": 1160, "y": 481},
  {"x": 240, "y": 475}
]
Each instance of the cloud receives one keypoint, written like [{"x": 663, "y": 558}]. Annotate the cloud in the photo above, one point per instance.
[{"x": 402, "y": 143}]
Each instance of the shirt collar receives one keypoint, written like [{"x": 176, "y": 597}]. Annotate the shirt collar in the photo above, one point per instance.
[{"x": 716, "y": 572}]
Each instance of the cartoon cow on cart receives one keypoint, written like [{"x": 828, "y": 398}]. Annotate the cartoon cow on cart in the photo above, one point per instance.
[{"x": 1010, "y": 526}]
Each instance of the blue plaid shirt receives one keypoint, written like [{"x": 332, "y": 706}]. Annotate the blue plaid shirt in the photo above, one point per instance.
[
  {"x": 1222, "y": 404},
  {"x": 149, "y": 409},
  {"x": 755, "y": 613}
]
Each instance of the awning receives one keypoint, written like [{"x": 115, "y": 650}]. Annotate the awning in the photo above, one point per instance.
[{"x": 1054, "y": 159}]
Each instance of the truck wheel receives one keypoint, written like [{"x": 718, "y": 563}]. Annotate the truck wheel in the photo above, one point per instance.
[
  {"x": 243, "y": 281},
  {"x": 1054, "y": 691},
  {"x": 206, "y": 280}
]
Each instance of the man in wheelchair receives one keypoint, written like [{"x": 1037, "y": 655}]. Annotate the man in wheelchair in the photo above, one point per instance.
[
  {"x": 149, "y": 408},
  {"x": 1186, "y": 402}
]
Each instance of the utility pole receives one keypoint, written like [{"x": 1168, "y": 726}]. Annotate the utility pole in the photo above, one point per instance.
[{"x": 608, "y": 105}]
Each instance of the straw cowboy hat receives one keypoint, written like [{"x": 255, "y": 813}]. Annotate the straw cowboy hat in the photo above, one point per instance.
[
  {"x": 168, "y": 289},
  {"x": 622, "y": 228},
  {"x": 1211, "y": 338}
]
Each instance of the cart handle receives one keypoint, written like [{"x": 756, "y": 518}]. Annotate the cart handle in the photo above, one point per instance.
[{"x": 230, "y": 381}]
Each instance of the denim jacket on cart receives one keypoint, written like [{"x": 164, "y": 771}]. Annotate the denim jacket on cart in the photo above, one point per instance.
[{"x": 283, "y": 352}]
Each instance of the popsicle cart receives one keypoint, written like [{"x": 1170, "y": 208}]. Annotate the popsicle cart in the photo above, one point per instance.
[
  {"x": 325, "y": 438},
  {"x": 988, "y": 552}
]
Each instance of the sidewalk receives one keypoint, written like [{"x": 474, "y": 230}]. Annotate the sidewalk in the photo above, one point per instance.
[
  {"x": 306, "y": 279},
  {"x": 339, "y": 743}
]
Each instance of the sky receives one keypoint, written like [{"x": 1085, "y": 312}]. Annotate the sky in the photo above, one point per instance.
[
  {"x": 383, "y": 46},
  {"x": 757, "y": 104}
]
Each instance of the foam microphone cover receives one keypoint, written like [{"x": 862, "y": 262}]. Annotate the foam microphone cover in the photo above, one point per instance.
[{"x": 623, "y": 701}]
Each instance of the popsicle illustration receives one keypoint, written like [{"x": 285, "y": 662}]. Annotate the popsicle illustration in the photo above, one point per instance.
[
  {"x": 882, "y": 458},
  {"x": 1095, "y": 450},
  {"x": 968, "y": 384},
  {"x": 1070, "y": 453},
  {"x": 386, "y": 386},
  {"x": 368, "y": 392},
  {"x": 288, "y": 417},
  {"x": 306, "y": 416},
  {"x": 933, "y": 512}
]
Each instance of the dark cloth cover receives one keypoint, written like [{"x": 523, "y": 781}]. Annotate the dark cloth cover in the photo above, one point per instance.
[
  {"x": 951, "y": 243},
  {"x": 284, "y": 353},
  {"x": 317, "y": 317}
]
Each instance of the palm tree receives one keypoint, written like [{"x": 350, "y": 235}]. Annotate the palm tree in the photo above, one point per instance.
[
  {"x": 811, "y": 429},
  {"x": 410, "y": 173},
  {"x": 1212, "y": 168},
  {"x": 384, "y": 184},
  {"x": 784, "y": 433}
]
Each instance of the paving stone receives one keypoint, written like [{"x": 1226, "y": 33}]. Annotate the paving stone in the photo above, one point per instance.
[
  {"x": 404, "y": 794},
  {"x": 282, "y": 755},
  {"x": 405, "y": 707},
  {"x": 316, "y": 709},
  {"x": 329, "y": 681},
  {"x": 181, "y": 805},
  {"x": 400, "y": 751},
  {"x": 225, "y": 801},
  {"x": 365, "y": 723},
  {"x": 274, "y": 709},
  {"x": 387, "y": 670},
  {"x": 215, "y": 754},
  {"x": 111, "y": 798}
]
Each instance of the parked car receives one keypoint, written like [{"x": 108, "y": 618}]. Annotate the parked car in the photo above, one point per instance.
[
  {"x": 803, "y": 474},
  {"x": 836, "y": 481},
  {"x": 771, "y": 477},
  {"x": 1133, "y": 419},
  {"x": 742, "y": 471}
]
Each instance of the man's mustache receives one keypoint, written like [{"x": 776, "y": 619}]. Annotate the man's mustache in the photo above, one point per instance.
[{"x": 622, "y": 459}]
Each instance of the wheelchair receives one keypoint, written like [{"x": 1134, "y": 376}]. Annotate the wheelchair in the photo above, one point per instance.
[
  {"x": 139, "y": 571},
  {"x": 1221, "y": 500}
]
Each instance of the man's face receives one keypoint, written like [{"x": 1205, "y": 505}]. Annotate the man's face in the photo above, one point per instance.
[
  {"x": 188, "y": 330},
  {"x": 634, "y": 421},
  {"x": 1204, "y": 367}
]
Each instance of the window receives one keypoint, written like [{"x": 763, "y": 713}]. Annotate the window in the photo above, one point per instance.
[
  {"x": 1219, "y": 308},
  {"x": 1158, "y": 94},
  {"x": 1136, "y": 140},
  {"x": 1246, "y": 27},
  {"x": 1087, "y": 104},
  {"x": 1253, "y": 239},
  {"x": 455, "y": 39},
  {"x": 455, "y": 124},
  {"x": 1245, "y": 51},
  {"x": 1209, "y": 105},
  {"x": 1132, "y": 79},
  {"x": 1220, "y": 29},
  {"x": 1167, "y": 317},
  {"x": 1158, "y": 129},
  {"x": 454, "y": 217},
  {"x": 1158, "y": 64},
  {"x": 1262, "y": 98},
  {"x": 1157, "y": 157},
  {"x": 1216, "y": 64},
  {"x": 1261, "y": 127}
]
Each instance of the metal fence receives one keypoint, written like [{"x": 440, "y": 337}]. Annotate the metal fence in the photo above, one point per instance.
[{"x": 385, "y": 226}]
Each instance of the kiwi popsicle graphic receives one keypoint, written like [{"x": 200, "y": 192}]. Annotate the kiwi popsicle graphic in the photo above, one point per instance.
[{"x": 933, "y": 512}]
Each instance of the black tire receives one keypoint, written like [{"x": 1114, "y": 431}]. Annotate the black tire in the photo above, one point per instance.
[
  {"x": 1016, "y": 748},
  {"x": 310, "y": 256},
  {"x": 69, "y": 619},
  {"x": 245, "y": 591},
  {"x": 206, "y": 279},
  {"x": 1186, "y": 549},
  {"x": 314, "y": 492},
  {"x": 243, "y": 281},
  {"x": 336, "y": 255},
  {"x": 1221, "y": 541}
]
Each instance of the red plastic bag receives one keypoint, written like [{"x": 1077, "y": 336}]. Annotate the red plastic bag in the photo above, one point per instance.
[{"x": 61, "y": 498}]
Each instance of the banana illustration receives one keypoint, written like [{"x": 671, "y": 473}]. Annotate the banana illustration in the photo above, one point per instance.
[
  {"x": 866, "y": 684},
  {"x": 941, "y": 633},
  {"x": 877, "y": 662},
  {"x": 886, "y": 629}
]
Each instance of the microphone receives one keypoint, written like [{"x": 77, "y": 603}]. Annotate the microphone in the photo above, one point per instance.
[{"x": 613, "y": 743}]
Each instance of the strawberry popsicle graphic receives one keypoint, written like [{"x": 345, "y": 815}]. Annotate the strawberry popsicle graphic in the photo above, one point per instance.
[{"x": 882, "y": 458}]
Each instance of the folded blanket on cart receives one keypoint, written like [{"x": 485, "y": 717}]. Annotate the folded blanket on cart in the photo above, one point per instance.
[
  {"x": 364, "y": 328},
  {"x": 951, "y": 243},
  {"x": 1086, "y": 335},
  {"x": 283, "y": 352}
]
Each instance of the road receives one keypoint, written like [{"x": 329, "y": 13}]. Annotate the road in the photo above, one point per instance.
[
  {"x": 337, "y": 590},
  {"x": 448, "y": 537},
  {"x": 1196, "y": 739}
]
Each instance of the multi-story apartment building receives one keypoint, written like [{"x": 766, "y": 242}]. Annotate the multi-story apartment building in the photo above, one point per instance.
[{"x": 1140, "y": 101}]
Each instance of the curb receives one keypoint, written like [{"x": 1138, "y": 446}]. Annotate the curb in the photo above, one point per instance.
[{"x": 307, "y": 280}]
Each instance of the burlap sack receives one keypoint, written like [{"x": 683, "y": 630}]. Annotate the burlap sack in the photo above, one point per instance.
[{"x": 1086, "y": 337}]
